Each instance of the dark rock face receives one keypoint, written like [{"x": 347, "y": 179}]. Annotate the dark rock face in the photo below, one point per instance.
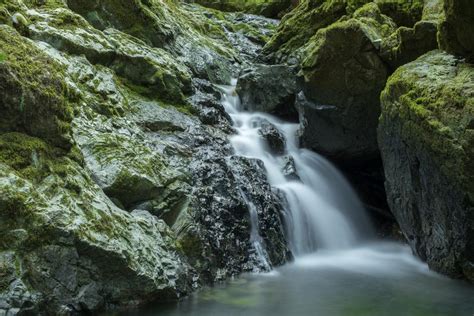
[
  {"x": 272, "y": 136},
  {"x": 269, "y": 88},
  {"x": 427, "y": 144},
  {"x": 345, "y": 67},
  {"x": 289, "y": 168},
  {"x": 457, "y": 31},
  {"x": 344, "y": 76},
  {"x": 215, "y": 232}
]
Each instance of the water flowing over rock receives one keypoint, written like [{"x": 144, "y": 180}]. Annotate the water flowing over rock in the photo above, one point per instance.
[
  {"x": 113, "y": 143},
  {"x": 426, "y": 140},
  {"x": 314, "y": 218}
]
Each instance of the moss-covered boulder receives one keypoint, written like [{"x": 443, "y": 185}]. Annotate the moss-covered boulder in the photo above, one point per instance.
[
  {"x": 345, "y": 66},
  {"x": 34, "y": 96},
  {"x": 403, "y": 12},
  {"x": 410, "y": 42},
  {"x": 344, "y": 76},
  {"x": 268, "y": 8},
  {"x": 65, "y": 247},
  {"x": 457, "y": 31},
  {"x": 128, "y": 171},
  {"x": 426, "y": 137}
]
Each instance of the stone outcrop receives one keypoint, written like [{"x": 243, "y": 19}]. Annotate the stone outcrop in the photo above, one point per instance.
[
  {"x": 268, "y": 8},
  {"x": 427, "y": 144},
  {"x": 112, "y": 145},
  {"x": 457, "y": 31},
  {"x": 345, "y": 57},
  {"x": 269, "y": 88},
  {"x": 343, "y": 78}
]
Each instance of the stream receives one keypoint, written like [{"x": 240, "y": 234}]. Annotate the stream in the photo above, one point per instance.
[{"x": 338, "y": 269}]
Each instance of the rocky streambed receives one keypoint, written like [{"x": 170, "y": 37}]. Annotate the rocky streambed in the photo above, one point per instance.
[{"x": 118, "y": 183}]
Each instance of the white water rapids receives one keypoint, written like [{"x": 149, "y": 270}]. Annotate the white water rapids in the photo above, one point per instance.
[{"x": 323, "y": 213}]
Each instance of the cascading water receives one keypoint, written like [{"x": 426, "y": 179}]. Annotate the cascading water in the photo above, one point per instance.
[
  {"x": 322, "y": 210},
  {"x": 376, "y": 278}
]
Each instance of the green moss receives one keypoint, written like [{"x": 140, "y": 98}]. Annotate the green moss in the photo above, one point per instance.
[
  {"x": 302, "y": 23},
  {"x": 31, "y": 157},
  {"x": 268, "y": 8},
  {"x": 403, "y": 12},
  {"x": 3, "y": 57},
  {"x": 36, "y": 99},
  {"x": 432, "y": 97}
]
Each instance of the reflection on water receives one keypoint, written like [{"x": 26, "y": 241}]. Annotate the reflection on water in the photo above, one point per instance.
[{"x": 377, "y": 279}]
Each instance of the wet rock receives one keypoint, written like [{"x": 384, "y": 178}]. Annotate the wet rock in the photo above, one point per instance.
[
  {"x": 426, "y": 139},
  {"x": 289, "y": 168},
  {"x": 155, "y": 22},
  {"x": 270, "y": 89},
  {"x": 127, "y": 169},
  {"x": 217, "y": 224},
  {"x": 151, "y": 68},
  {"x": 272, "y": 136},
  {"x": 80, "y": 253}
]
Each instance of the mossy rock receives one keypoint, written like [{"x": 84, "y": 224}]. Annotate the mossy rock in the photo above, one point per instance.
[
  {"x": 403, "y": 12},
  {"x": 426, "y": 137},
  {"x": 302, "y": 23},
  {"x": 344, "y": 76},
  {"x": 457, "y": 31},
  {"x": 268, "y": 8},
  {"x": 154, "y": 21},
  {"x": 35, "y": 97},
  {"x": 74, "y": 245},
  {"x": 298, "y": 26}
]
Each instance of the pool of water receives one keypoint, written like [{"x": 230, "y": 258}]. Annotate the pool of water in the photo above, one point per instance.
[{"x": 376, "y": 279}]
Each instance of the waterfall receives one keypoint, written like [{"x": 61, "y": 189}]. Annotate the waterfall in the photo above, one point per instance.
[{"x": 322, "y": 211}]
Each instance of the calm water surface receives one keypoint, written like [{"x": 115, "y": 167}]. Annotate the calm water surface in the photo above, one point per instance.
[{"x": 380, "y": 279}]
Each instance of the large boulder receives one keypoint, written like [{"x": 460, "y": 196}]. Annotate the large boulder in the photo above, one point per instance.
[
  {"x": 345, "y": 67},
  {"x": 298, "y": 26},
  {"x": 426, "y": 137},
  {"x": 457, "y": 31},
  {"x": 269, "y": 88},
  {"x": 66, "y": 248},
  {"x": 344, "y": 76}
]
